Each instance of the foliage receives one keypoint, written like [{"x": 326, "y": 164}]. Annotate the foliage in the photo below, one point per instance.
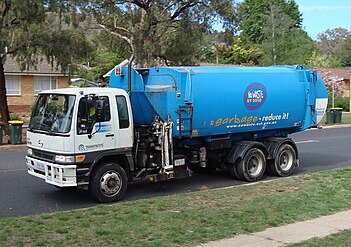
[
  {"x": 102, "y": 61},
  {"x": 27, "y": 34},
  {"x": 318, "y": 60},
  {"x": 252, "y": 17},
  {"x": 328, "y": 78},
  {"x": 154, "y": 29},
  {"x": 339, "y": 88},
  {"x": 238, "y": 53},
  {"x": 339, "y": 102},
  {"x": 14, "y": 117},
  {"x": 282, "y": 42},
  {"x": 337, "y": 43}
]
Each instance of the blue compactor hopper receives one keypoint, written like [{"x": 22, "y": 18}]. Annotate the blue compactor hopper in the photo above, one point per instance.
[{"x": 243, "y": 102}]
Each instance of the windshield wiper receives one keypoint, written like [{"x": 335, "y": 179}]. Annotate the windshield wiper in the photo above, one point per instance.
[{"x": 46, "y": 127}]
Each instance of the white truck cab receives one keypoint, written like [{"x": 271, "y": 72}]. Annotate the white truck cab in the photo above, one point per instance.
[{"x": 74, "y": 129}]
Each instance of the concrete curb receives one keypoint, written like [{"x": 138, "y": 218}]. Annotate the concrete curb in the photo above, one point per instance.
[
  {"x": 10, "y": 147},
  {"x": 290, "y": 234},
  {"x": 336, "y": 126}
]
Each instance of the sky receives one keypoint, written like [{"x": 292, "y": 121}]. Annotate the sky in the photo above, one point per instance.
[{"x": 319, "y": 15}]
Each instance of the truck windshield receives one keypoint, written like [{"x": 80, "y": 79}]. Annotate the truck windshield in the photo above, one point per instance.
[{"x": 52, "y": 113}]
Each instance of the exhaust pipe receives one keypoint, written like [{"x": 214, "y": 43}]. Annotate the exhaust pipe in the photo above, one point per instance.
[{"x": 131, "y": 59}]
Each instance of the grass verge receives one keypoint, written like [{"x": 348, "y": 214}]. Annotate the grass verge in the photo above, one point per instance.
[
  {"x": 341, "y": 239},
  {"x": 187, "y": 219}
]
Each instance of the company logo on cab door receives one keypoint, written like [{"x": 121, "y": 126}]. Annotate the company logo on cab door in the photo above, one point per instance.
[{"x": 254, "y": 96}]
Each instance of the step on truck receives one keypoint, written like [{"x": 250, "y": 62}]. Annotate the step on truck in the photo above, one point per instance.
[{"x": 167, "y": 122}]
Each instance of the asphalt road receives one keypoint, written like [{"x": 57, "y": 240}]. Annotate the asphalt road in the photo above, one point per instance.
[{"x": 22, "y": 194}]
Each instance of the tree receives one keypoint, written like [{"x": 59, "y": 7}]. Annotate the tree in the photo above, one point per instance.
[
  {"x": 102, "y": 61},
  {"x": 26, "y": 32},
  {"x": 155, "y": 30},
  {"x": 239, "y": 53},
  {"x": 322, "y": 61},
  {"x": 252, "y": 17},
  {"x": 282, "y": 42},
  {"x": 336, "y": 42}
]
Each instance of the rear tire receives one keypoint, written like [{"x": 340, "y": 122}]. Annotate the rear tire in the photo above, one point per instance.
[
  {"x": 253, "y": 165},
  {"x": 285, "y": 161},
  {"x": 232, "y": 168},
  {"x": 108, "y": 182}
]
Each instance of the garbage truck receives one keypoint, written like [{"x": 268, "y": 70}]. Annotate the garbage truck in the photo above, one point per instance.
[{"x": 163, "y": 123}]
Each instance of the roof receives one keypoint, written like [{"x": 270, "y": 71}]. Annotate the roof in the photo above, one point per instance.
[
  {"x": 43, "y": 67},
  {"x": 341, "y": 73}
]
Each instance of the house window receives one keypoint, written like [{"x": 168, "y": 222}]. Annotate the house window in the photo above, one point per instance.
[
  {"x": 44, "y": 83},
  {"x": 13, "y": 85}
]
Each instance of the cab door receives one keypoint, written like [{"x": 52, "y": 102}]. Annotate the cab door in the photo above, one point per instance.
[
  {"x": 95, "y": 133},
  {"x": 124, "y": 129}
]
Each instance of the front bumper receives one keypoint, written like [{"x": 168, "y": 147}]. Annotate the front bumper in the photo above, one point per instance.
[{"x": 55, "y": 174}]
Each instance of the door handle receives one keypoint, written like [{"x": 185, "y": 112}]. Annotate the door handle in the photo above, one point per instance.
[{"x": 110, "y": 135}]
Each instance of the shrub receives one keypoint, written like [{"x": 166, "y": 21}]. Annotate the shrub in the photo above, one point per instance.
[{"x": 339, "y": 101}]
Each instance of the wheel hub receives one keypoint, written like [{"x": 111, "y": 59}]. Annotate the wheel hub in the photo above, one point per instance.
[
  {"x": 286, "y": 161},
  {"x": 110, "y": 183},
  {"x": 254, "y": 166}
]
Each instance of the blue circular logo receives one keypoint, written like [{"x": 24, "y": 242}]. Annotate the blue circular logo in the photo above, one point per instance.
[{"x": 254, "y": 96}]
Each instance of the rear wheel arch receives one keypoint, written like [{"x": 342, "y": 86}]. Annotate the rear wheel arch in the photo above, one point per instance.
[
  {"x": 283, "y": 157},
  {"x": 238, "y": 155}
]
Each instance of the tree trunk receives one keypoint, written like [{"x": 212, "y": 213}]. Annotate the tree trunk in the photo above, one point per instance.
[
  {"x": 273, "y": 36},
  {"x": 4, "y": 110}
]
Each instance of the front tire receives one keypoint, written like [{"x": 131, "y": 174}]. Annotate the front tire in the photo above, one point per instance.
[
  {"x": 108, "y": 182},
  {"x": 253, "y": 165}
]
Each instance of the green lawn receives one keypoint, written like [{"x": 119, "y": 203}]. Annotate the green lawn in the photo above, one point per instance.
[
  {"x": 186, "y": 219},
  {"x": 346, "y": 118}
]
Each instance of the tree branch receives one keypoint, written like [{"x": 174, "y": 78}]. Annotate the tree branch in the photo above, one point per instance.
[
  {"x": 4, "y": 13},
  {"x": 184, "y": 7},
  {"x": 170, "y": 6},
  {"x": 116, "y": 34}
]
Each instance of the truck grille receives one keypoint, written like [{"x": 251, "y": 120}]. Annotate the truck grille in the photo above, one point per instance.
[{"x": 43, "y": 155}]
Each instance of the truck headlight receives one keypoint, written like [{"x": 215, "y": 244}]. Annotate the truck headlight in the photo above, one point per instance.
[
  {"x": 64, "y": 159},
  {"x": 30, "y": 151}
]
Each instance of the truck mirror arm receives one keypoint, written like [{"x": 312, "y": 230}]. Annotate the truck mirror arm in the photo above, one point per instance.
[{"x": 91, "y": 134}]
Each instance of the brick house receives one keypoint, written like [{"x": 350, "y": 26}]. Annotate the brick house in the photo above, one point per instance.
[{"x": 23, "y": 86}]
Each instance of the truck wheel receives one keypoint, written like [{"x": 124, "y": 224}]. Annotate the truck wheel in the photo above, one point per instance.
[
  {"x": 232, "y": 168},
  {"x": 252, "y": 167},
  {"x": 108, "y": 182},
  {"x": 284, "y": 163}
]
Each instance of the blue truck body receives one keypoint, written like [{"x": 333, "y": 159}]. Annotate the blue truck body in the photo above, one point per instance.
[{"x": 231, "y": 101}]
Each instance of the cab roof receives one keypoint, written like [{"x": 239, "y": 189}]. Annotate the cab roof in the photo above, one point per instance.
[{"x": 85, "y": 91}]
